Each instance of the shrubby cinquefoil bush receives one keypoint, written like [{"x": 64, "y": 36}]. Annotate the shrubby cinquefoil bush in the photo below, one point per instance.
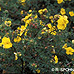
[{"x": 37, "y": 36}]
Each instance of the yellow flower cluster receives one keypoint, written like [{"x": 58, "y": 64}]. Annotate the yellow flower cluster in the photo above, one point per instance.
[
  {"x": 42, "y": 10},
  {"x": 52, "y": 30},
  {"x": 51, "y": 18},
  {"x": 26, "y": 17},
  {"x": 21, "y": 29},
  {"x": 69, "y": 50},
  {"x": 27, "y": 21},
  {"x": 6, "y": 42},
  {"x": 62, "y": 22},
  {"x": 59, "y": 1},
  {"x": 41, "y": 23},
  {"x": 44, "y": 30}
]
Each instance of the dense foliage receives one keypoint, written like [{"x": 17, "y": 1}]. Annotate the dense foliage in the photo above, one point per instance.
[{"x": 37, "y": 36}]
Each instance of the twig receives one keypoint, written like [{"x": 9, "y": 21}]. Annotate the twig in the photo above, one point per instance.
[{"x": 69, "y": 63}]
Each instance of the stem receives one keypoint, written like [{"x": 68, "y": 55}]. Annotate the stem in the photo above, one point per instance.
[
  {"x": 14, "y": 48},
  {"x": 69, "y": 63},
  {"x": 22, "y": 66}
]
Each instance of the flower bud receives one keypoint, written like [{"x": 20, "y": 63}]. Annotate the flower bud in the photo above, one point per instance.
[{"x": 73, "y": 41}]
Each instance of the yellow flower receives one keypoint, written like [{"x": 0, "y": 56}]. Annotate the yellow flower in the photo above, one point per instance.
[
  {"x": 73, "y": 41},
  {"x": 35, "y": 16},
  {"x": 40, "y": 11},
  {"x": 26, "y": 32},
  {"x": 65, "y": 17},
  {"x": 41, "y": 23},
  {"x": 42, "y": 32},
  {"x": 45, "y": 10},
  {"x": 53, "y": 33},
  {"x": 61, "y": 26},
  {"x": 62, "y": 11},
  {"x": 72, "y": 72},
  {"x": 49, "y": 26},
  {"x": 16, "y": 57},
  {"x": 6, "y": 43},
  {"x": 59, "y": 1},
  {"x": 22, "y": 29},
  {"x": 22, "y": 1},
  {"x": 57, "y": 16},
  {"x": 52, "y": 29},
  {"x": 44, "y": 28},
  {"x": 8, "y": 23},
  {"x": 50, "y": 17},
  {"x": 18, "y": 28},
  {"x": 52, "y": 46},
  {"x": 28, "y": 21},
  {"x": 45, "y": 16},
  {"x": 26, "y": 17},
  {"x": 18, "y": 39},
  {"x": 56, "y": 59},
  {"x": 71, "y": 13},
  {"x": 39, "y": 37},
  {"x": 51, "y": 21},
  {"x": 69, "y": 50},
  {"x": 22, "y": 12},
  {"x": 30, "y": 10},
  {"x": 35, "y": 66},
  {"x": 7, "y": 33},
  {"x": 0, "y": 8},
  {"x": 19, "y": 53},
  {"x": 62, "y": 23},
  {"x": 38, "y": 71},
  {"x": 65, "y": 45}
]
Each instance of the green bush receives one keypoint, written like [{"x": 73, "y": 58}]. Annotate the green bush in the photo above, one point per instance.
[{"x": 36, "y": 36}]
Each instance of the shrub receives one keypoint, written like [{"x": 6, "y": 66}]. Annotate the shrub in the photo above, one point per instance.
[{"x": 36, "y": 36}]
